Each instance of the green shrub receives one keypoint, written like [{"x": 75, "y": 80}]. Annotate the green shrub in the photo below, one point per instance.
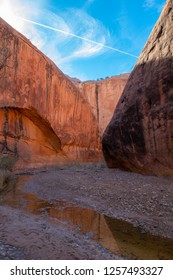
[
  {"x": 7, "y": 161},
  {"x": 7, "y": 178}
]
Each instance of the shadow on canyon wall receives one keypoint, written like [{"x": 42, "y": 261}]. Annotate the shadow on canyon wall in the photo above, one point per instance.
[{"x": 140, "y": 135}]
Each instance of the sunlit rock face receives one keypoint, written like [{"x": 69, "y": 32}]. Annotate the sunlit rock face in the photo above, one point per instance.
[
  {"x": 44, "y": 118},
  {"x": 103, "y": 96},
  {"x": 140, "y": 134},
  {"x": 24, "y": 134}
]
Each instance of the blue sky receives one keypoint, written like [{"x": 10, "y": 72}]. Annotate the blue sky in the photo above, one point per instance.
[{"x": 120, "y": 24}]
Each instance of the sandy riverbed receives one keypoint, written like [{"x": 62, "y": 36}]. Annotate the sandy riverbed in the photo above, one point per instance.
[{"x": 146, "y": 202}]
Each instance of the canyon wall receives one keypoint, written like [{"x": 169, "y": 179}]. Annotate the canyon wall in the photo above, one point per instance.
[
  {"x": 44, "y": 119},
  {"x": 103, "y": 96},
  {"x": 140, "y": 134}
]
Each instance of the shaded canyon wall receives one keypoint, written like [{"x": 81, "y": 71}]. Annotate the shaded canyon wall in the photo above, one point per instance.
[{"x": 140, "y": 134}]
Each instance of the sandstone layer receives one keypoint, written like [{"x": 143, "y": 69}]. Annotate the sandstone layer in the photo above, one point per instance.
[
  {"x": 43, "y": 117},
  {"x": 103, "y": 96},
  {"x": 140, "y": 134}
]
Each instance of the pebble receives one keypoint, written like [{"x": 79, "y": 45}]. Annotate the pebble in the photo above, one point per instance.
[{"x": 8, "y": 252}]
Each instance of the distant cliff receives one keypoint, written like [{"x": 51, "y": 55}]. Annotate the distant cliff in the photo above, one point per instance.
[{"x": 103, "y": 96}]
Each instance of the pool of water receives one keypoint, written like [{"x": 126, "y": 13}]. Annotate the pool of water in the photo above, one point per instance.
[{"x": 120, "y": 237}]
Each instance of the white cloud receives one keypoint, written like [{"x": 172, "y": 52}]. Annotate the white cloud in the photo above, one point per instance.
[
  {"x": 87, "y": 50},
  {"x": 149, "y": 3},
  {"x": 90, "y": 29},
  {"x": 61, "y": 48},
  {"x": 88, "y": 3},
  {"x": 154, "y": 4}
]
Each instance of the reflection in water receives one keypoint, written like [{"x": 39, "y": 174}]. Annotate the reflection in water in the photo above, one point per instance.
[
  {"x": 134, "y": 244},
  {"x": 116, "y": 235}
]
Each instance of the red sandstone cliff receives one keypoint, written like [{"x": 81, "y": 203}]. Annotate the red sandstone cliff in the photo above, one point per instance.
[
  {"x": 140, "y": 134},
  {"x": 43, "y": 117},
  {"x": 103, "y": 96}
]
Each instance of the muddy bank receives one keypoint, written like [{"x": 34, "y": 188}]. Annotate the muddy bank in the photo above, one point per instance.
[
  {"x": 69, "y": 213},
  {"x": 40, "y": 239}
]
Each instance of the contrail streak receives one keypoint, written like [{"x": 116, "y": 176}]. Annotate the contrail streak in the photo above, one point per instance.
[{"x": 76, "y": 36}]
